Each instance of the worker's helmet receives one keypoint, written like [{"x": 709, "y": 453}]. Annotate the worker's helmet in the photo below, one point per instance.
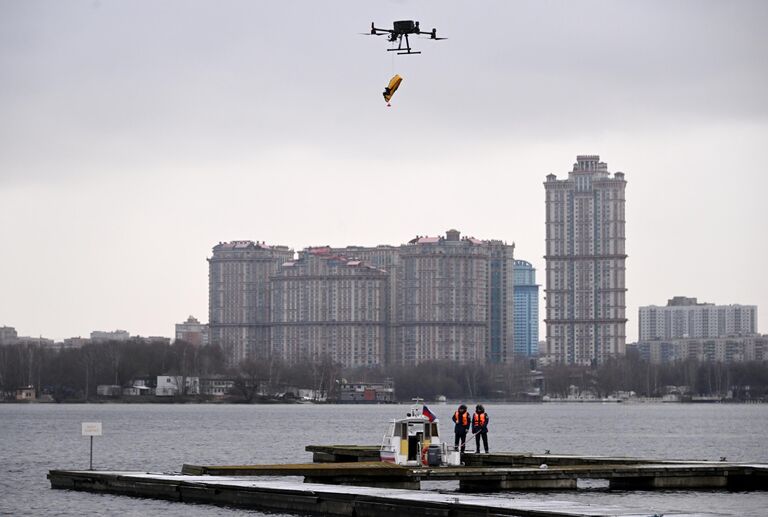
[
  {"x": 480, "y": 407},
  {"x": 463, "y": 406}
]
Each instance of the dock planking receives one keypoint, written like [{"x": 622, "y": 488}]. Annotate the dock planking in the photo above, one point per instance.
[{"x": 285, "y": 496}]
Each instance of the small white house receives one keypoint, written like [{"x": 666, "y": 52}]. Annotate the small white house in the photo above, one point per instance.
[
  {"x": 170, "y": 385},
  {"x": 216, "y": 385},
  {"x": 138, "y": 391},
  {"x": 108, "y": 390},
  {"x": 25, "y": 393}
]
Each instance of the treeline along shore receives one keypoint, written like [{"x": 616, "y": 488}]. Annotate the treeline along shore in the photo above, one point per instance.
[{"x": 80, "y": 375}]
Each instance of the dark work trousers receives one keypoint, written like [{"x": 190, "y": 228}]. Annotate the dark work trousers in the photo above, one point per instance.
[
  {"x": 461, "y": 438},
  {"x": 485, "y": 441}
]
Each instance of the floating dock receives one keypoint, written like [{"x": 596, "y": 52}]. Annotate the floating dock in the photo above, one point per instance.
[
  {"x": 359, "y": 487},
  {"x": 284, "y": 496},
  {"x": 351, "y": 453},
  {"x": 642, "y": 476}
]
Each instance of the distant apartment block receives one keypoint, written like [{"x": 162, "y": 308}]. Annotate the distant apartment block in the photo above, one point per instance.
[
  {"x": 239, "y": 297},
  {"x": 37, "y": 341},
  {"x": 585, "y": 263},
  {"x": 115, "y": 335},
  {"x": 8, "y": 336},
  {"x": 192, "y": 332},
  {"x": 446, "y": 297},
  {"x": 684, "y": 317},
  {"x": 74, "y": 343},
  {"x": 328, "y": 305},
  {"x": 526, "y": 309},
  {"x": 715, "y": 349}
]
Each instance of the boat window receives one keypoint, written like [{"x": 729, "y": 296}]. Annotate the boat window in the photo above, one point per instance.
[
  {"x": 427, "y": 429},
  {"x": 404, "y": 430},
  {"x": 433, "y": 425}
]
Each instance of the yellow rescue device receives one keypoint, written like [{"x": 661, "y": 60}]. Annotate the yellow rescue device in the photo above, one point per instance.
[{"x": 392, "y": 87}]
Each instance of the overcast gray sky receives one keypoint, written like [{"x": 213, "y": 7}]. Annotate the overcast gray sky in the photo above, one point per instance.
[{"x": 135, "y": 135}]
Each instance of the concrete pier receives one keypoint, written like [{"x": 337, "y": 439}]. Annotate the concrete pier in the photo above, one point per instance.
[{"x": 284, "y": 496}]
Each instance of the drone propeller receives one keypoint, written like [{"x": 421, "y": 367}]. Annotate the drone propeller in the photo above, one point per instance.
[{"x": 433, "y": 35}]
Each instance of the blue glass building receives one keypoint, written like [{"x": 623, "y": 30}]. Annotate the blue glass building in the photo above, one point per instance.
[{"x": 526, "y": 340}]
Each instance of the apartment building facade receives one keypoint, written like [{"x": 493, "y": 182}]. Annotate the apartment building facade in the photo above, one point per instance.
[
  {"x": 239, "y": 315},
  {"x": 585, "y": 263},
  {"x": 327, "y": 305}
]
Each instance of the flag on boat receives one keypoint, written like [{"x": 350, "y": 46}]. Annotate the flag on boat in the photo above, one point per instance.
[{"x": 429, "y": 414}]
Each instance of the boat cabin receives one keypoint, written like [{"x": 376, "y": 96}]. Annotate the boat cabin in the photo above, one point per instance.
[{"x": 415, "y": 441}]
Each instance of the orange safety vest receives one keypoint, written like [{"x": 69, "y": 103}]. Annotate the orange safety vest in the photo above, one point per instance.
[
  {"x": 465, "y": 418},
  {"x": 478, "y": 420}
]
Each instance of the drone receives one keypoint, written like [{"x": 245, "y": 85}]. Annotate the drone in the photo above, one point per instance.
[{"x": 400, "y": 30}]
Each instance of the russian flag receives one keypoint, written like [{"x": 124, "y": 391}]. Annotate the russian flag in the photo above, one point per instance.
[{"x": 429, "y": 414}]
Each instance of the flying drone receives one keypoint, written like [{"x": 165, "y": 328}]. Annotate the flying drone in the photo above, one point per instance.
[{"x": 400, "y": 30}]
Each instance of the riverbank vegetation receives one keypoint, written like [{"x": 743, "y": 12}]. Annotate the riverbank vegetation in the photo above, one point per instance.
[{"x": 74, "y": 374}]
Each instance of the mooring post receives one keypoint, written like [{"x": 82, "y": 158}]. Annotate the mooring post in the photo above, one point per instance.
[{"x": 91, "y": 463}]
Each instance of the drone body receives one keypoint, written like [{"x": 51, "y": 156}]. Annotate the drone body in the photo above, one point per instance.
[{"x": 399, "y": 32}]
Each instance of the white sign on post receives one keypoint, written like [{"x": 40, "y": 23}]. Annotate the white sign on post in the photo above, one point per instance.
[{"x": 91, "y": 428}]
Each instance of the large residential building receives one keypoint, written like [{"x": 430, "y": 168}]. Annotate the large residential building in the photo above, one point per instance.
[
  {"x": 451, "y": 298},
  {"x": 192, "y": 332},
  {"x": 526, "y": 309},
  {"x": 328, "y": 305},
  {"x": 684, "y": 317},
  {"x": 239, "y": 314},
  {"x": 434, "y": 298},
  {"x": 585, "y": 263},
  {"x": 443, "y": 300}
]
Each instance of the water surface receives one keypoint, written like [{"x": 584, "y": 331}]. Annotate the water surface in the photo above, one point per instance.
[{"x": 38, "y": 437}]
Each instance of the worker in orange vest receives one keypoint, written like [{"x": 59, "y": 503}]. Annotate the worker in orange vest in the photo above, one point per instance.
[
  {"x": 462, "y": 420},
  {"x": 480, "y": 427}
]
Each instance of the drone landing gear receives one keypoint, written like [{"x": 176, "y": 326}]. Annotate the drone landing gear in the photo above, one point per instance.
[{"x": 400, "y": 50}]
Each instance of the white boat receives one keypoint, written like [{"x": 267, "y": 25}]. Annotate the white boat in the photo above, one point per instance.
[{"x": 415, "y": 441}]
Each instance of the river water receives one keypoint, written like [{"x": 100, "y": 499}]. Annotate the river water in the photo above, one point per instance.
[{"x": 35, "y": 438}]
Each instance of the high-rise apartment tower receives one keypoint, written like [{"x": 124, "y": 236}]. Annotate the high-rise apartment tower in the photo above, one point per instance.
[{"x": 585, "y": 258}]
